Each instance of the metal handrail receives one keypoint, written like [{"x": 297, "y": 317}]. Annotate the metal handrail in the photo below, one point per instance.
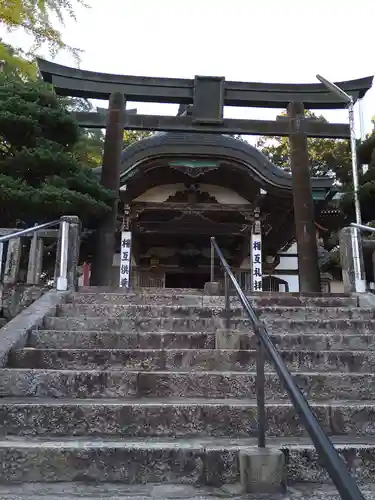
[
  {"x": 29, "y": 230},
  {"x": 363, "y": 227},
  {"x": 335, "y": 466},
  {"x": 61, "y": 279}
]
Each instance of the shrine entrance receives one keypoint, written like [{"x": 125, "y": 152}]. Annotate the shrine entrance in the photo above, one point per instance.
[
  {"x": 175, "y": 198},
  {"x": 188, "y": 279}
]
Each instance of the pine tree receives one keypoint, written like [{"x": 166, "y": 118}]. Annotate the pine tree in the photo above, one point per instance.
[{"x": 42, "y": 175}]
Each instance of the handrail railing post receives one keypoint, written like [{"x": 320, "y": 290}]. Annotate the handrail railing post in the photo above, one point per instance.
[
  {"x": 62, "y": 278},
  {"x": 67, "y": 256},
  {"x": 212, "y": 262},
  {"x": 260, "y": 383},
  {"x": 227, "y": 301}
]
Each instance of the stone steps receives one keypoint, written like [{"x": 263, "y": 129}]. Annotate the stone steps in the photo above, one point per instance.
[
  {"x": 208, "y": 461},
  {"x": 187, "y": 311},
  {"x": 176, "y": 417},
  {"x": 63, "y": 339},
  {"x": 128, "y": 387},
  {"x": 120, "y": 491},
  {"x": 188, "y": 359},
  {"x": 199, "y": 324},
  {"x": 174, "y": 298},
  {"x": 201, "y": 384}
]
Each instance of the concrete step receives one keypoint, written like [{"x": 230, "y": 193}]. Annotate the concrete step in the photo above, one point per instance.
[
  {"x": 210, "y": 461},
  {"x": 63, "y": 339},
  {"x": 188, "y": 359},
  {"x": 193, "y": 311},
  {"x": 343, "y": 326},
  {"x": 211, "y": 324},
  {"x": 119, "y": 491},
  {"x": 215, "y": 384},
  {"x": 176, "y": 417},
  {"x": 164, "y": 297},
  {"x": 154, "y": 491},
  {"x": 144, "y": 311},
  {"x": 108, "y": 323}
]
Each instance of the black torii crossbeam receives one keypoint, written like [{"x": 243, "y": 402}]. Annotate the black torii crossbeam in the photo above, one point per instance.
[{"x": 208, "y": 95}]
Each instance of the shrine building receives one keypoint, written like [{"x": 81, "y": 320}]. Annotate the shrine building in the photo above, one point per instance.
[{"x": 181, "y": 189}]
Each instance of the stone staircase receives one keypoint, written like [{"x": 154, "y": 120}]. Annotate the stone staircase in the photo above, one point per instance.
[{"x": 129, "y": 388}]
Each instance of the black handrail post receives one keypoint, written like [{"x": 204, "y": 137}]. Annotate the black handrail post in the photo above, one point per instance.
[
  {"x": 260, "y": 383},
  {"x": 212, "y": 263},
  {"x": 227, "y": 301}
]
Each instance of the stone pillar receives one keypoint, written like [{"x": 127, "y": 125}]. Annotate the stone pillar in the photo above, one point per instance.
[
  {"x": 74, "y": 243},
  {"x": 304, "y": 214},
  {"x": 35, "y": 260},
  {"x": 101, "y": 268},
  {"x": 12, "y": 264},
  {"x": 351, "y": 256},
  {"x": 256, "y": 255}
]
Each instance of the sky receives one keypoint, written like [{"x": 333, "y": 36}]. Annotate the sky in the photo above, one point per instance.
[{"x": 245, "y": 40}]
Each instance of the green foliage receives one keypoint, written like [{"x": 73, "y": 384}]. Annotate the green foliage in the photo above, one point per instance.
[
  {"x": 41, "y": 173},
  {"x": 366, "y": 156},
  {"x": 327, "y": 156},
  {"x": 131, "y": 136},
  {"x": 89, "y": 147},
  {"x": 35, "y": 17}
]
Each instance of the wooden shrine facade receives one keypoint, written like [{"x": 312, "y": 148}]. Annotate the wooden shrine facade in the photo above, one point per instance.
[{"x": 181, "y": 189}]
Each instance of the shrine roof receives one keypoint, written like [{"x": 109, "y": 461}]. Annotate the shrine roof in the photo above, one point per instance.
[{"x": 216, "y": 146}]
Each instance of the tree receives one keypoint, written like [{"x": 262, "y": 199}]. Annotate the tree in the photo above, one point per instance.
[
  {"x": 89, "y": 148},
  {"x": 327, "y": 156},
  {"x": 132, "y": 136},
  {"x": 366, "y": 156},
  {"x": 35, "y": 18},
  {"x": 42, "y": 177}
]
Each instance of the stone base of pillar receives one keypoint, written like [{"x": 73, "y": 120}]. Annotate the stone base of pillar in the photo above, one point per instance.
[
  {"x": 325, "y": 282},
  {"x": 212, "y": 288},
  {"x": 262, "y": 470}
]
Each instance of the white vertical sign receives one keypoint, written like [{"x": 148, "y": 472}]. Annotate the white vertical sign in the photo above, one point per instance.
[
  {"x": 125, "y": 259},
  {"x": 256, "y": 261}
]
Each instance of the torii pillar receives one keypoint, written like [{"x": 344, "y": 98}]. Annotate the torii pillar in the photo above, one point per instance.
[
  {"x": 101, "y": 269},
  {"x": 304, "y": 213}
]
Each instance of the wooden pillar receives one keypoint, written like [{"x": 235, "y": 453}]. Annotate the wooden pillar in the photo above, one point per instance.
[
  {"x": 101, "y": 268},
  {"x": 304, "y": 215}
]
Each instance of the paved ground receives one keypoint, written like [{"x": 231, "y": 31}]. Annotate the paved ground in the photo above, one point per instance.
[{"x": 79, "y": 491}]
